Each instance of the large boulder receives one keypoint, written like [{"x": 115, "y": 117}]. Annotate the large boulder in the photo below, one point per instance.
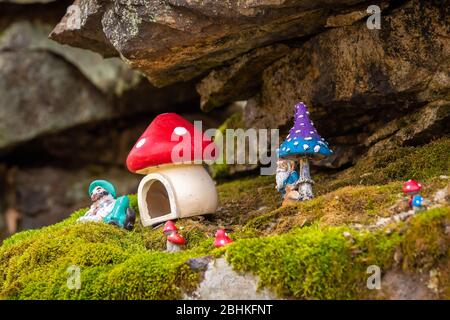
[
  {"x": 177, "y": 40},
  {"x": 42, "y": 93},
  {"x": 356, "y": 79},
  {"x": 69, "y": 86}
]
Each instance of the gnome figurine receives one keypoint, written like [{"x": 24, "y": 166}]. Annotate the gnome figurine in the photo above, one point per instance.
[
  {"x": 302, "y": 144},
  {"x": 106, "y": 207},
  {"x": 285, "y": 176},
  {"x": 174, "y": 240}
]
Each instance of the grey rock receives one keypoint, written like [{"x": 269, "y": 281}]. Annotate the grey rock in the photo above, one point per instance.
[
  {"x": 177, "y": 40},
  {"x": 221, "y": 282},
  {"x": 354, "y": 79},
  {"x": 42, "y": 93},
  {"x": 239, "y": 81},
  {"x": 108, "y": 75},
  {"x": 199, "y": 264},
  {"x": 415, "y": 128}
]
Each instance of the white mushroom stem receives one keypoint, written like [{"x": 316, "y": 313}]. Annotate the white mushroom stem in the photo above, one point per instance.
[
  {"x": 304, "y": 181},
  {"x": 171, "y": 247}
]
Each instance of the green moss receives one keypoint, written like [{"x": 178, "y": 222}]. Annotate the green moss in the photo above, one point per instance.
[
  {"x": 401, "y": 164},
  {"x": 321, "y": 263},
  {"x": 348, "y": 205},
  {"x": 221, "y": 169},
  {"x": 427, "y": 240},
  {"x": 112, "y": 261}
]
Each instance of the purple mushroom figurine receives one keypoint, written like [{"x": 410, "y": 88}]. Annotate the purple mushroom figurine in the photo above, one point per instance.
[{"x": 303, "y": 142}]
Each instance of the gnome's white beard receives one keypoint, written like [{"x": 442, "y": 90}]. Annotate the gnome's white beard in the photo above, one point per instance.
[
  {"x": 99, "y": 209},
  {"x": 280, "y": 177}
]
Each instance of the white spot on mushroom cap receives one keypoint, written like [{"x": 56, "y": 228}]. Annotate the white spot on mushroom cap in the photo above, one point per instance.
[
  {"x": 295, "y": 143},
  {"x": 308, "y": 138},
  {"x": 141, "y": 143},
  {"x": 316, "y": 148},
  {"x": 305, "y": 147},
  {"x": 180, "y": 131}
]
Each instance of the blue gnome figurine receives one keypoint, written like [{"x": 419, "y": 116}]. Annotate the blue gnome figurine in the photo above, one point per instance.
[
  {"x": 106, "y": 207},
  {"x": 418, "y": 203},
  {"x": 286, "y": 175}
]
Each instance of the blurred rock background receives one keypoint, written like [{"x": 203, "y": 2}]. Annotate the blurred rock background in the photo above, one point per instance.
[
  {"x": 67, "y": 116},
  {"x": 72, "y": 106}
]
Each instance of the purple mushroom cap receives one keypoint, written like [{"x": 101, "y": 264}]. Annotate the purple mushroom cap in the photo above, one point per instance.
[{"x": 303, "y": 138}]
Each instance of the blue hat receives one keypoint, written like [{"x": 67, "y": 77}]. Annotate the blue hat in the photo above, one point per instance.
[
  {"x": 417, "y": 200},
  {"x": 105, "y": 185}
]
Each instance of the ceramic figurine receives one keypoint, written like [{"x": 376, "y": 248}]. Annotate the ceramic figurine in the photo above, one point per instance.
[
  {"x": 291, "y": 196},
  {"x": 106, "y": 207},
  {"x": 221, "y": 238},
  {"x": 418, "y": 203},
  {"x": 173, "y": 188},
  {"x": 174, "y": 240},
  {"x": 411, "y": 188},
  {"x": 302, "y": 143},
  {"x": 286, "y": 175}
]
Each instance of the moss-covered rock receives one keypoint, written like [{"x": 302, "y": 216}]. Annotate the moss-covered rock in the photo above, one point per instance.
[
  {"x": 401, "y": 164},
  {"x": 324, "y": 263},
  {"x": 307, "y": 250}
]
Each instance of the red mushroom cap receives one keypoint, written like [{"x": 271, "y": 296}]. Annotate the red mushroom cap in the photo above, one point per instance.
[
  {"x": 411, "y": 186},
  {"x": 154, "y": 147},
  {"x": 176, "y": 239},
  {"x": 170, "y": 227},
  {"x": 221, "y": 239}
]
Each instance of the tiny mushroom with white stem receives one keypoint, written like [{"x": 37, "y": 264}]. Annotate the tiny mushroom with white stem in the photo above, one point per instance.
[
  {"x": 171, "y": 153},
  {"x": 221, "y": 238},
  {"x": 174, "y": 239},
  {"x": 302, "y": 143}
]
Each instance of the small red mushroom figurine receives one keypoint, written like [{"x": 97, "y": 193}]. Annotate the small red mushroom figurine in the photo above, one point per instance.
[
  {"x": 411, "y": 188},
  {"x": 221, "y": 239},
  {"x": 174, "y": 240}
]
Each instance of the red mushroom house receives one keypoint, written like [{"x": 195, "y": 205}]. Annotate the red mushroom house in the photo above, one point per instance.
[{"x": 170, "y": 153}]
